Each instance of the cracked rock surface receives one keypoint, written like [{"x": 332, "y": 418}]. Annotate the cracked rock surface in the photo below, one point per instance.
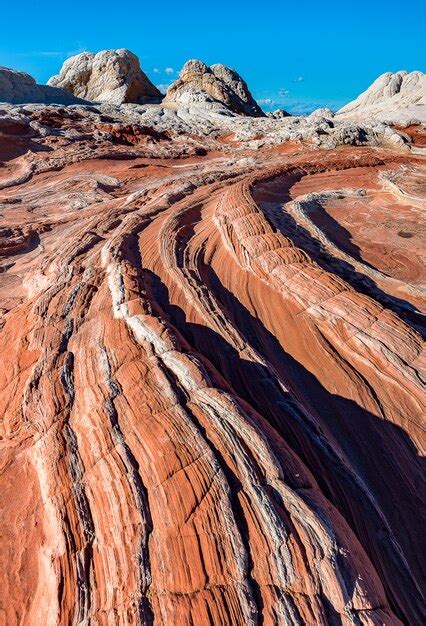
[
  {"x": 213, "y": 86},
  {"x": 212, "y": 368},
  {"x": 109, "y": 76}
]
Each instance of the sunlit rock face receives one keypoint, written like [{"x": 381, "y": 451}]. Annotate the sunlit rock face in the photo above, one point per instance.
[
  {"x": 109, "y": 76},
  {"x": 213, "y": 86},
  {"x": 211, "y": 369},
  {"x": 394, "y": 97},
  {"x": 18, "y": 87}
]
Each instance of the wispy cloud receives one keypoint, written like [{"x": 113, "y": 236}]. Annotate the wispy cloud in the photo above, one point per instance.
[
  {"x": 166, "y": 72},
  {"x": 304, "y": 106},
  {"x": 293, "y": 103},
  {"x": 80, "y": 47},
  {"x": 40, "y": 53},
  {"x": 299, "y": 79},
  {"x": 266, "y": 102},
  {"x": 49, "y": 53},
  {"x": 164, "y": 86}
]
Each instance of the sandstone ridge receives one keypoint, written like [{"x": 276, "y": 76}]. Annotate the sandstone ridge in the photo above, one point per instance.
[{"x": 211, "y": 369}]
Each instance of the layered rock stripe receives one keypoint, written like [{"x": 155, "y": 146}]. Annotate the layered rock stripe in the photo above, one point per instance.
[{"x": 211, "y": 387}]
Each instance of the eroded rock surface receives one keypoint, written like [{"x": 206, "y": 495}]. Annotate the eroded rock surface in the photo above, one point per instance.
[
  {"x": 109, "y": 76},
  {"x": 214, "y": 85},
  {"x": 18, "y": 87},
  {"x": 393, "y": 97},
  {"x": 211, "y": 380}
]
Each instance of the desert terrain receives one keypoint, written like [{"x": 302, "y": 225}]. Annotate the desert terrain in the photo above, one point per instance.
[{"x": 211, "y": 356}]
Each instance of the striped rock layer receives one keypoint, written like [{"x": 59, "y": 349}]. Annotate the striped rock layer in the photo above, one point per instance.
[{"x": 211, "y": 383}]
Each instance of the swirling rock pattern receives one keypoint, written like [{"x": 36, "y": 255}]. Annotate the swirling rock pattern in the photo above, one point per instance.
[{"x": 211, "y": 384}]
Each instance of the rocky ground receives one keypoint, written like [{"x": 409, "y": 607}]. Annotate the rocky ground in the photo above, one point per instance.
[{"x": 211, "y": 367}]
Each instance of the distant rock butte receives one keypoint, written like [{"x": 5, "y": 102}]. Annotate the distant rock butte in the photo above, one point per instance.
[
  {"x": 278, "y": 114},
  {"x": 213, "y": 85},
  {"x": 394, "y": 97},
  {"x": 18, "y": 88},
  {"x": 113, "y": 76},
  {"x": 321, "y": 113}
]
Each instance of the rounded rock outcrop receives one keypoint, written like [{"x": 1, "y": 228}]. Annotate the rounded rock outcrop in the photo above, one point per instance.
[
  {"x": 278, "y": 114},
  {"x": 392, "y": 97},
  {"x": 213, "y": 86},
  {"x": 322, "y": 112},
  {"x": 113, "y": 76},
  {"x": 21, "y": 88}
]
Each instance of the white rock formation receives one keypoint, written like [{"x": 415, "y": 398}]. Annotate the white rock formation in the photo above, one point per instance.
[
  {"x": 278, "y": 114},
  {"x": 322, "y": 112},
  {"x": 20, "y": 88},
  {"x": 215, "y": 87},
  {"x": 393, "y": 97},
  {"x": 109, "y": 76}
]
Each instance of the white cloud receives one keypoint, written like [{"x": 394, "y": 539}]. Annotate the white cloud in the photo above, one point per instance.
[
  {"x": 169, "y": 70},
  {"x": 265, "y": 101},
  {"x": 283, "y": 92},
  {"x": 40, "y": 53},
  {"x": 163, "y": 86},
  {"x": 156, "y": 70},
  {"x": 299, "y": 79},
  {"x": 307, "y": 105}
]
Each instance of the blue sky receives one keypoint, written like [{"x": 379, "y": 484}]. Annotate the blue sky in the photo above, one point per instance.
[{"x": 297, "y": 55}]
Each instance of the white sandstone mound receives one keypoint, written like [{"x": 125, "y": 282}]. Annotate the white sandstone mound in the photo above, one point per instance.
[
  {"x": 21, "y": 88},
  {"x": 322, "y": 112},
  {"x": 113, "y": 76},
  {"x": 215, "y": 86},
  {"x": 278, "y": 114},
  {"x": 393, "y": 97}
]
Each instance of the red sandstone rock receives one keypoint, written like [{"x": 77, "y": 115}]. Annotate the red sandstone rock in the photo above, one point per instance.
[{"x": 211, "y": 381}]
